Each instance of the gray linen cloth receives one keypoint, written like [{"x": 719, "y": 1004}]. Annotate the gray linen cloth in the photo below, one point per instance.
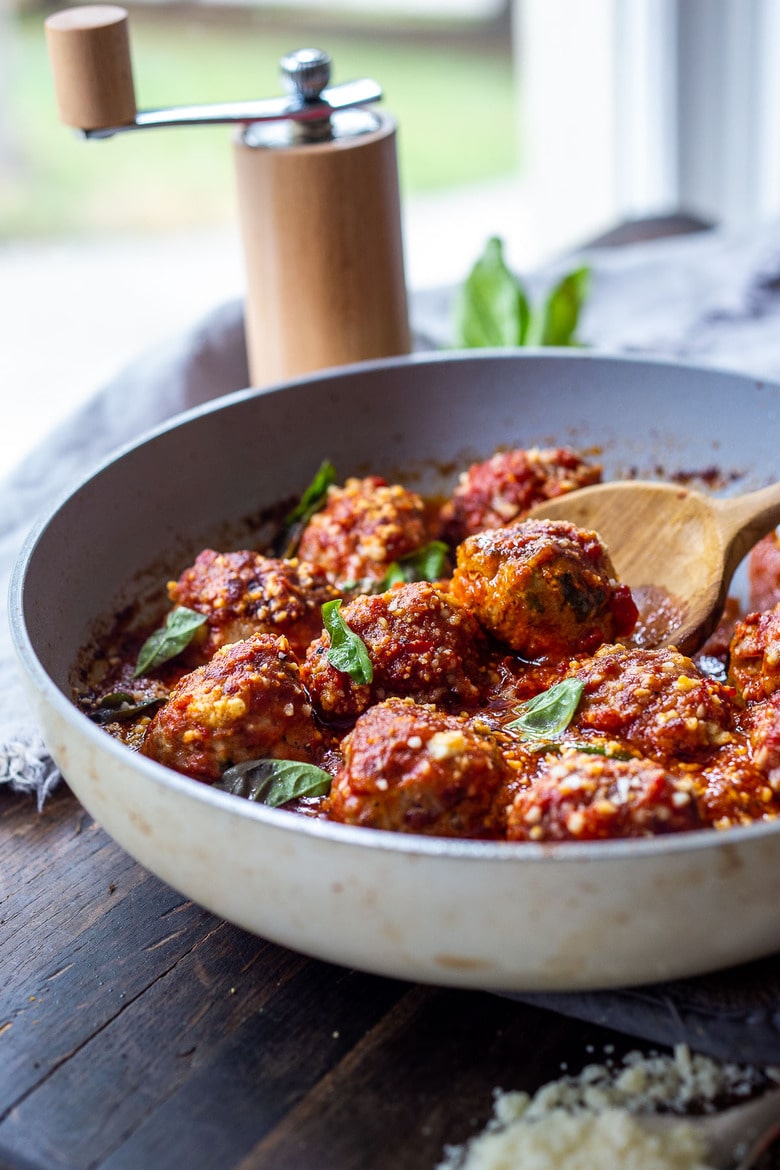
[{"x": 713, "y": 298}]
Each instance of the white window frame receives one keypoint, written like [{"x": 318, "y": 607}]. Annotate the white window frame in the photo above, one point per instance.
[{"x": 631, "y": 108}]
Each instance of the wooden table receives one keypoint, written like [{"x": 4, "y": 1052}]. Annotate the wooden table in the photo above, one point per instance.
[{"x": 139, "y": 1032}]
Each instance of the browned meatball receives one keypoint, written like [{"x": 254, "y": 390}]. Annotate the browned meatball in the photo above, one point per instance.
[
  {"x": 733, "y": 789},
  {"x": 581, "y": 797},
  {"x": 655, "y": 700},
  {"x": 506, "y": 487},
  {"x": 244, "y": 593},
  {"x": 246, "y": 703},
  {"x": 764, "y": 573},
  {"x": 761, "y": 723},
  {"x": 754, "y": 666},
  {"x": 414, "y": 769},
  {"x": 420, "y": 643},
  {"x": 544, "y": 587},
  {"x": 365, "y": 526}
]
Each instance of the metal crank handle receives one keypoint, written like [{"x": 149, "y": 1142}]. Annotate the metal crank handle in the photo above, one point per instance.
[
  {"x": 336, "y": 97},
  {"x": 89, "y": 49}
]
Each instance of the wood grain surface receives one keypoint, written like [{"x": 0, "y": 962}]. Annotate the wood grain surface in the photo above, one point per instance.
[{"x": 139, "y": 1031}]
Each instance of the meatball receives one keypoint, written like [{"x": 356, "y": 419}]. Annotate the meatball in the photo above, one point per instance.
[
  {"x": 506, "y": 487},
  {"x": 420, "y": 642},
  {"x": 363, "y": 528},
  {"x": 244, "y": 593},
  {"x": 246, "y": 703},
  {"x": 414, "y": 769},
  {"x": 581, "y": 797},
  {"x": 761, "y": 723},
  {"x": 764, "y": 573},
  {"x": 655, "y": 700},
  {"x": 544, "y": 587},
  {"x": 732, "y": 789},
  {"x": 754, "y": 666}
]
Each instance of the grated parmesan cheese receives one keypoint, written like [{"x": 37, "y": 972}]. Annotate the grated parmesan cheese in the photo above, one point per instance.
[
  {"x": 611, "y": 1140},
  {"x": 594, "y": 1121}
]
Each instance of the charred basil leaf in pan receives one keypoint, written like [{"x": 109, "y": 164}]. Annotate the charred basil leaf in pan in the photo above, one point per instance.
[{"x": 120, "y": 706}]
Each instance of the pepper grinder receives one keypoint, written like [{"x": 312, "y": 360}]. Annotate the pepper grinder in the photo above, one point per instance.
[{"x": 317, "y": 186}]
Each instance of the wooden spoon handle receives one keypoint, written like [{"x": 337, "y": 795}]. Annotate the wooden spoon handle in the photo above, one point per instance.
[{"x": 744, "y": 520}]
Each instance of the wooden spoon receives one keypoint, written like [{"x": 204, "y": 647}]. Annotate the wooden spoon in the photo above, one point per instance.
[
  {"x": 667, "y": 536},
  {"x": 736, "y": 1137}
]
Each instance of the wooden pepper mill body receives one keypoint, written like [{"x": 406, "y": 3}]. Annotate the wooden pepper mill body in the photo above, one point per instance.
[{"x": 321, "y": 227}]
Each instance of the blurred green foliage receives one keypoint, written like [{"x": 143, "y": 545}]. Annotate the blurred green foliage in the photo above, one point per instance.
[{"x": 453, "y": 97}]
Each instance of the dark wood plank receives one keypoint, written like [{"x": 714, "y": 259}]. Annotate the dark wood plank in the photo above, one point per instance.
[
  {"x": 261, "y": 1071},
  {"x": 424, "y": 1079},
  {"x": 114, "y": 986},
  {"x": 126, "y": 1000},
  {"x": 126, "y": 1070},
  {"x": 83, "y": 931},
  {"x": 139, "y": 1031}
]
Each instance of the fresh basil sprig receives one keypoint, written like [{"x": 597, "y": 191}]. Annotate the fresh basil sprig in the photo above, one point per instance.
[
  {"x": 348, "y": 652},
  {"x": 561, "y": 312},
  {"x": 180, "y": 627},
  {"x": 310, "y": 502},
  {"x": 274, "y": 782},
  {"x": 549, "y": 713},
  {"x": 493, "y": 308}
]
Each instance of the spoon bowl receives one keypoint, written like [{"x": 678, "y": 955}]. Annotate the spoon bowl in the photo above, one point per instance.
[
  {"x": 673, "y": 540},
  {"x": 735, "y": 1138}
]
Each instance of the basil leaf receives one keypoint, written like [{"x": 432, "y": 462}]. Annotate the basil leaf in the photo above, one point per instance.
[
  {"x": 314, "y": 496},
  {"x": 561, "y": 313},
  {"x": 428, "y": 563},
  {"x": 121, "y": 706},
  {"x": 551, "y": 712},
  {"x": 310, "y": 502},
  {"x": 587, "y": 749},
  {"x": 348, "y": 652},
  {"x": 165, "y": 643},
  {"x": 492, "y": 308},
  {"x": 274, "y": 782}
]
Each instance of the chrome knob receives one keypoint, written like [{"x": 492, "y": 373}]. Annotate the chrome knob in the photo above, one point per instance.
[{"x": 305, "y": 72}]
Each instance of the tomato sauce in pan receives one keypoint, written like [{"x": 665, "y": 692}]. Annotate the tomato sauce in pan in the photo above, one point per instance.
[{"x": 452, "y": 669}]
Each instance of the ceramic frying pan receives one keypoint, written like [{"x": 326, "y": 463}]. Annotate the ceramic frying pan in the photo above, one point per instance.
[{"x": 497, "y": 916}]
